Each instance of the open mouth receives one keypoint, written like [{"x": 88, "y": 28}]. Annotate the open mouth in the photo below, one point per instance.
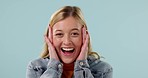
[{"x": 67, "y": 50}]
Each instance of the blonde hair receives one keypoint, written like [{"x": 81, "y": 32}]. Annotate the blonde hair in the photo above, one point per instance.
[{"x": 62, "y": 14}]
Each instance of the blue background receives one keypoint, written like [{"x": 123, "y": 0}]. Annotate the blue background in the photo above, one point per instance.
[{"x": 118, "y": 30}]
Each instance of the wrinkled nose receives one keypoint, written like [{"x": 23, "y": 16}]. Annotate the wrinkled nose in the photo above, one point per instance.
[{"x": 67, "y": 41}]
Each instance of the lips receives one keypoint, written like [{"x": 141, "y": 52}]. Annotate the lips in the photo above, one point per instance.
[
  {"x": 71, "y": 50},
  {"x": 67, "y": 51}
]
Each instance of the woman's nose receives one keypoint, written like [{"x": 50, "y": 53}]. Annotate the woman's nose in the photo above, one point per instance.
[{"x": 67, "y": 40}]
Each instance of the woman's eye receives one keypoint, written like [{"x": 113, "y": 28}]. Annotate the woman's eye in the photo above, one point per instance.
[
  {"x": 59, "y": 34},
  {"x": 75, "y": 34}
]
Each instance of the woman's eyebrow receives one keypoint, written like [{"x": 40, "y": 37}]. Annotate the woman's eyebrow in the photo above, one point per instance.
[
  {"x": 57, "y": 30},
  {"x": 75, "y": 29}
]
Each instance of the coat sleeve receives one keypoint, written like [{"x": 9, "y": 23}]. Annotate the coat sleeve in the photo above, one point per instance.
[
  {"x": 81, "y": 69},
  {"x": 31, "y": 72},
  {"x": 108, "y": 74},
  {"x": 100, "y": 70},
  {"x": 54, "y": 70}
]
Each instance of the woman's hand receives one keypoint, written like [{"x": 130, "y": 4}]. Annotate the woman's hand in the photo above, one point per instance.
[
  {"x": 84, "y": 49},
  {"x": 51, "y": 48}
]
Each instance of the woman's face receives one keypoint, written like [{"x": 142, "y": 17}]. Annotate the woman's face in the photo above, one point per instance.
[{"x": 67, "y": 39}]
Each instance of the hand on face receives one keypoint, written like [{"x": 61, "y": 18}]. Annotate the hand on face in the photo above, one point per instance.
[
  {"x": 51, "y": 48},
  {"x": 84, "y": 48}
]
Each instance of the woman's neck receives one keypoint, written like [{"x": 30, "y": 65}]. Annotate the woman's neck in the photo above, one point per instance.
[{"x": 68, "y": 67}]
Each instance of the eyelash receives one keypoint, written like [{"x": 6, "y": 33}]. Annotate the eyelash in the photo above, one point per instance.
[
  {"x": 72, "y": 34},
  {"x": 59, "y": 34}
]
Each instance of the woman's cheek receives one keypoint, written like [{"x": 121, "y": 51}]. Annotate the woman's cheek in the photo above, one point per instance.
[
  {"x": 78, "y": 42},
  {"x": 56, "y": 42}
]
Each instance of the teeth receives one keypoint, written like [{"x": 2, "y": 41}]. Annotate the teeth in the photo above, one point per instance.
[{"x": 68, "y": 49}]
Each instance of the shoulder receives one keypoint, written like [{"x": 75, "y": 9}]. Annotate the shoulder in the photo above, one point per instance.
[
  {"x": 98, "y": 65},
  {"x": 38, "y": 63},
  {"x": 102, "y": 65}
]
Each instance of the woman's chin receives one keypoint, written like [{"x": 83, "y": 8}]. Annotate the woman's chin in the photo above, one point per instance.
[{"x": 67, "y": 61}]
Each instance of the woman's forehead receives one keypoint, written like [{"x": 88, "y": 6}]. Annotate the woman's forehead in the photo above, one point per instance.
[
  {"x": 69, "y": 22},
  {"x": 69, "y": 28}
]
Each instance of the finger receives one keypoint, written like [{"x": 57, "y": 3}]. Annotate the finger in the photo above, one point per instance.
[
  {"x": 50, "y": 33},
  {"x": 86, "y": 41},
  {"x": 50, "y": 47},
  {"x": 46, "y": 39},
  {"x": 84, "y": 49},
  {"x": 84, "y": 34}
]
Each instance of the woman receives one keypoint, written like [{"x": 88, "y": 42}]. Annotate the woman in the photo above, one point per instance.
[{"x": 67, "y": 51}]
